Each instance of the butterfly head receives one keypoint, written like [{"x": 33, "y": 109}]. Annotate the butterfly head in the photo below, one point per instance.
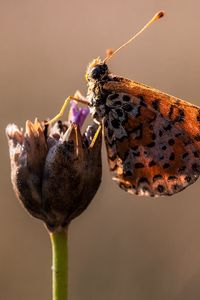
[{"x": 97, "y": 70}]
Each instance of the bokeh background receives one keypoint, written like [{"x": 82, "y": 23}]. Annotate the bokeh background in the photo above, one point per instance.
[{"x": 122, "y": 247}]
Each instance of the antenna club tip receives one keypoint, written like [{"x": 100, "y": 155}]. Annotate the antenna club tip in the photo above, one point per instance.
[{"x": 160, "y": 14}]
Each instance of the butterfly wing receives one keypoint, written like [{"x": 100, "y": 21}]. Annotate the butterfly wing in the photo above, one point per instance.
[{"x": 152, "y": 139}]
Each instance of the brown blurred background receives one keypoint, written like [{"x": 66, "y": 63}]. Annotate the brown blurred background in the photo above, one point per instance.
[{"x": 123, "y": 247}]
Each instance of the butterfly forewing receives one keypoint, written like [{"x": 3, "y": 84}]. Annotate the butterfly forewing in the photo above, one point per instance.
[{"x": 152, "y": 139}]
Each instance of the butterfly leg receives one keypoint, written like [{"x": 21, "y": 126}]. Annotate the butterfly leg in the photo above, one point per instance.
[
  {"x": 80, "y": 97},
  {"x": 77, "y": 97},
  {"x": 95, "y": 137}
]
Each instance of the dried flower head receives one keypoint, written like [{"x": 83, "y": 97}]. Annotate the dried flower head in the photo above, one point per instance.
[{"x": 54, "y": 172}]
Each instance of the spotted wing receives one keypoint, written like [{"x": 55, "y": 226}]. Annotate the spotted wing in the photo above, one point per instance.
[{"x": 152, "y": 139}]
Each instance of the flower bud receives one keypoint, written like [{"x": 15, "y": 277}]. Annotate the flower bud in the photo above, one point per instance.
[{"x": 53, "y": 171}]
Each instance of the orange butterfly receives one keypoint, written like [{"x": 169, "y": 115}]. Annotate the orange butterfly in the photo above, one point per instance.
[{"x": 152, "y": 138}]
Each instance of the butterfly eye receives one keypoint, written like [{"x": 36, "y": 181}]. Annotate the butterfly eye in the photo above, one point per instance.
[
  {"x": 99, "y": 71},
  {"x": 95, "y": 73}
]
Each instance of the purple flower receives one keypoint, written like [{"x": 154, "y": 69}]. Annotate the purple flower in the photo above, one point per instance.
[{"x": 78, "y": 115}]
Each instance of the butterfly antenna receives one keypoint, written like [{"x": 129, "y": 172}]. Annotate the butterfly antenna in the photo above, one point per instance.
[{"x": 157, "y": 16}]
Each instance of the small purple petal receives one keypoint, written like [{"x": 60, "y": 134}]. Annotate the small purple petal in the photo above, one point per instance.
[
  {"x": 73, "y": 113},
  {"x": 83, "y": 113},
  {"x": 78, "y": 115}
]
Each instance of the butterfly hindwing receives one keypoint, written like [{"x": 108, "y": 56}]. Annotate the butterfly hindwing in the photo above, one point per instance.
[{"x": 152, "y": 139}]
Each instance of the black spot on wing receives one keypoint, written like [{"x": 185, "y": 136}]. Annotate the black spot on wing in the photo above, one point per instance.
[
  {"x": 172, "y": 156},
  {"x": 196, "y": 168},
  {"x": 156, "y": 104},
  {"x": 119, "y": 112},
  {"x": 113, "y": 96},
  {"x": 136, "y": 153},
  {"x": 128, "y": 173},
  {"x": 172, "y": 177},
  {"x": 188, "y": 179},
  {"x": 153, "y": 136},
  {"x": 127, "y": 107},
  {"x": 166, "y": 166},
  {"x": 197, "y": 137},
  {"x": 135, "y": 147},
  {"x": 198, "y": 116},
  {"x": 185, "y": 155},
  {"x": 152, "y": 163},
  {"x": 181, "y": 115},
  {"x": 115, "y": 123},
  {"x": 126, "y": 98},
  {"x": 164, "y": 147},
  {"x": 182, "y": 169},
  {"x": 176, "y": 187},
  {"x": 157, "y": 177},
  {"x": 168, "y": 127},
  {"x": 143, "y": 180},
  {"x": 171, "y": 109},
  {"x": 160, "y": 188},
  {"x": 171, "y": 142},
  {"x": 139, "y": 165},
  {"x": 138, "y": 113},
  {"x": 142, "y": 101},
  {"x": 196, "y": 154},
  {"x": 151, "y": 145}
]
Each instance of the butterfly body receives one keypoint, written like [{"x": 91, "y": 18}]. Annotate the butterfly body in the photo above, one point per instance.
[{"x": 152, "y": 138}]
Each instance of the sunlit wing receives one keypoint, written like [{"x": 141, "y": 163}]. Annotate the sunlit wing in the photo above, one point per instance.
[{"x": 154, "y": 147}]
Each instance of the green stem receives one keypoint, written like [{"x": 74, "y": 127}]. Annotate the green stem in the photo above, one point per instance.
[{"x": 59, "y": 265}]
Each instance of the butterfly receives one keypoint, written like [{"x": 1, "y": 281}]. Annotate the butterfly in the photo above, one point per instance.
[{"x": 152, "y": 138}]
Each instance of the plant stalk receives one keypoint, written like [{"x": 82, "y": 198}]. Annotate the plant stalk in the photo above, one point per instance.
[{"x": 59, "y": 265}]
